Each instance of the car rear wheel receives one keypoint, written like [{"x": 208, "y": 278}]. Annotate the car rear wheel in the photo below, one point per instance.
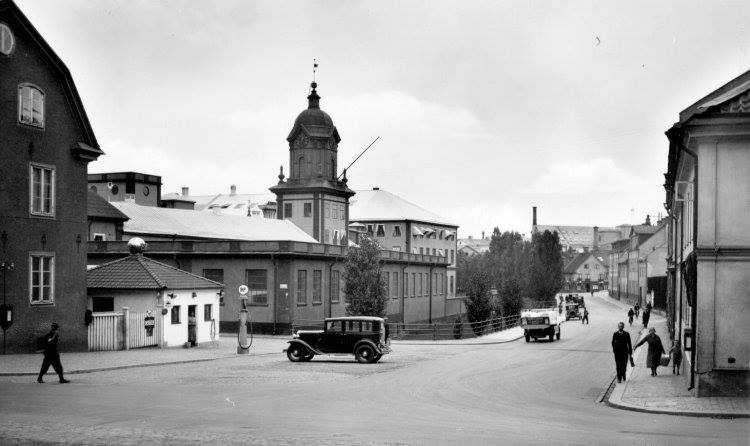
[
  {"x": 365, "y": 354},
  {"x": 308, "y": 357},
  {"x": 296, "y": 353}
]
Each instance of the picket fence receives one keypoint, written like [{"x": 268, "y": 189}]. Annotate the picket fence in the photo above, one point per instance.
[{"x": 122, "y": 331}]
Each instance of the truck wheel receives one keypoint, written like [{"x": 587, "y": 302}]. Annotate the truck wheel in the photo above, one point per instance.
[
  {"x": 364, "y": 354},
  {"x": 296, "y": 353},
  {"x": 528, "y": 338}
]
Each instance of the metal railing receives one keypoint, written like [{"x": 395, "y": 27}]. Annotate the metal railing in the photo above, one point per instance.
[{"x": 435, "y": 331}]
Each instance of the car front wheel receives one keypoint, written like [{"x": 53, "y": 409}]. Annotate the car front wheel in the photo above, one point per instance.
[
  {"x": 365, "y": 354},
  {"x": 297, "y": 353}
]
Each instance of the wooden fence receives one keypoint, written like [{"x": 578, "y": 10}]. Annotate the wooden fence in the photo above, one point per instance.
[{"x": 122, "y": 331}]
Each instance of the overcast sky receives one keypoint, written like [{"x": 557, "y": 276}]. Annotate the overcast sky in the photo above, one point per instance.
[{"x": 483, "y": 109}]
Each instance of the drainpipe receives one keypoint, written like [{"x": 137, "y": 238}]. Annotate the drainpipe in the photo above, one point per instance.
[
  {"x": 275, "y": 290},
  {"x": 430, "y": 306}
]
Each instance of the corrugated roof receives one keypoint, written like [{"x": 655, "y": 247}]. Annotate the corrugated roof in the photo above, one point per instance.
[
  {"x": 189, "y": 223},
  {"x": 139, "y": 272},
  {"x": 98, "y": 207},
  {"x": 381, "y": 205}
]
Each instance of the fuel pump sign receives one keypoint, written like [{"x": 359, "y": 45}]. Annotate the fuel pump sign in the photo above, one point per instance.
[{"x": 243, "y": 289}]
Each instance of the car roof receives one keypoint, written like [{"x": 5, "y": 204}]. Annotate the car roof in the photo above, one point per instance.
[{"x": 355, "y": 318}]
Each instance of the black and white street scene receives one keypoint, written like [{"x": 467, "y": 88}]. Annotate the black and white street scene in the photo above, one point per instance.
[{"x": 438, "y": 222}]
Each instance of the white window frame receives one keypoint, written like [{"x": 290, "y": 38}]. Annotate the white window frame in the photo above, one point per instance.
[
  {"x": 53, "y": 203},
  {"x": 99, "y": 234},
  {"x": 30, "y": 121},
  {"x": 397, "y": 230},
  {"x": 41, "y": 301},
  {"x": 380, "y": 229},
  {"x": 6, "y": 35}
]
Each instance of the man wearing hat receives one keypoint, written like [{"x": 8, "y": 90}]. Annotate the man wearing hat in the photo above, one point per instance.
[{"x": 51, "y": 355}]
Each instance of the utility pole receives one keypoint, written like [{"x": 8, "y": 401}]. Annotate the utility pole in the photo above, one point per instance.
[{"x": 7, "y": 312}]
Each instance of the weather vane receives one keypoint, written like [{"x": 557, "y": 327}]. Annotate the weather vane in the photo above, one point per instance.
[{"x": 315, "y": 68}]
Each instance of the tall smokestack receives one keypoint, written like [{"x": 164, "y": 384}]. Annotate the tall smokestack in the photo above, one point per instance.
[
  {"x": 534, "y": 219},
  {"x": 185, "y": 191},
  {"x": 232, "y": 190}
]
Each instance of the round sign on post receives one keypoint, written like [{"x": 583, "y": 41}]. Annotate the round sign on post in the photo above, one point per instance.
[{"x": 243, "y": 289}]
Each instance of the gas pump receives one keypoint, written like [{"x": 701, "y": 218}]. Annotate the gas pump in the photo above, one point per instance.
[{"x": 243, "y": 343}]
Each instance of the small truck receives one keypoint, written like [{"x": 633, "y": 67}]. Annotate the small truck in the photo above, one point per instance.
[{"x": 540, "y": 323}]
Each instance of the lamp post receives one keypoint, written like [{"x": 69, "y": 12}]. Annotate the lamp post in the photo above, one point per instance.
[{"x": 6, "y": 311}]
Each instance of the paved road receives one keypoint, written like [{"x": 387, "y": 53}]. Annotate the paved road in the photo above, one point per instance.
[{"x": 514, "y": 393}]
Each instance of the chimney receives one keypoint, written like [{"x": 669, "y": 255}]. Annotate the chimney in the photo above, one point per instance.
[
  {"x": 233, "y": 190},
  {"x": 482, "y": 235},
  {"x": 375, "y": 188},
  {"x": 185, "y": 191},
  {"x": 533, "y": 222},
  {"x": 596, "y": 238},
  {"x": 648, "y": 220}
]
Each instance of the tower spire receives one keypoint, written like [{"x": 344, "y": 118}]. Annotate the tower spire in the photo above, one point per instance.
[{"x": 313, "y": 100}]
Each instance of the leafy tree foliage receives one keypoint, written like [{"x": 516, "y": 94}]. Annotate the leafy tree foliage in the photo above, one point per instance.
[
  {"x": 475, "y": 281},
  {"x": 546, "y": 272},
  {"x": 365, "y": 287},
  {"x": 509, "y": 258}
]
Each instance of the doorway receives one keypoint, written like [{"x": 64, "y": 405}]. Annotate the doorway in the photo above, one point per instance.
[{"x": 192, "y": 326}]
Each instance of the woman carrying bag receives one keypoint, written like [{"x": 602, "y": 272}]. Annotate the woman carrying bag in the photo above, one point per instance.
[{"x": 655, "y": 350}]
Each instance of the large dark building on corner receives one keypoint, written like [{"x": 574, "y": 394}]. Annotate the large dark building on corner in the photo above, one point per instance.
[{"x": 46, "y": 142}]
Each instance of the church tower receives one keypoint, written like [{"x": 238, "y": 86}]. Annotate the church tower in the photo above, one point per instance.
[{"x": 313, "y": 197}]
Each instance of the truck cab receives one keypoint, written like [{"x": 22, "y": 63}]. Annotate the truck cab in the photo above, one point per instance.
[{"x": 540, "y": 323}]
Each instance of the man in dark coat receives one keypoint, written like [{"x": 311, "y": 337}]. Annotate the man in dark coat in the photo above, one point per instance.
[
  {"x": 623, "y": 349},
  {"x": 646, "y": 317},
  {"x": 52, "y": 356}
]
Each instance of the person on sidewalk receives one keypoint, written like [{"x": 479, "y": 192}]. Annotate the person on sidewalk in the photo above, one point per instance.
[
  {"x": 622, "y": 348},
  {"x": 52, "y": 356},
  {"x": 192, "y": 325},
  {"x": 646, "y": 317},
  {"x": 676, "y": 353},
  {"x": 655, "y": 349},
  {"x": 585, "y": 317},
  {"x": 637, "y": 309},
  {"x": 631, "y": 313}
]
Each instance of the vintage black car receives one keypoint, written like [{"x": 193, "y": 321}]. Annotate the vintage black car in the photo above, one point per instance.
[{"x": 365, "y": 337}]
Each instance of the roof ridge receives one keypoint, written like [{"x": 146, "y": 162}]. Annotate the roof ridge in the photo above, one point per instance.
[
  {"x": 140, "y": 259},
  {"x": 179, "y": 270},
  {"x": 110, "y": 263}
]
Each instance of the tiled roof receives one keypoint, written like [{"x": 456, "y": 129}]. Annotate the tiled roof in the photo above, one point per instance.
[
  {"x": 139, "y": 272},
  {"x": 98, "y": 207},
  {"x": 207, "y": 225},
  {"x": 579, "y": 260},
  {"x": 381, "y": 205},
  {"x": 644, "y": 229},
  {"x": 477, "y": 245}
]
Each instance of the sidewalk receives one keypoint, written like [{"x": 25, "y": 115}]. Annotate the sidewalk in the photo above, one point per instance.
[
  {"x": 667, "y": 393},
  {"x": 498, "y": 337},
  {"x": 87, "y": 362}
]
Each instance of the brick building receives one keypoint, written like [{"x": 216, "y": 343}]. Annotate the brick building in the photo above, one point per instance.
[{"x": 47, "y": 143}]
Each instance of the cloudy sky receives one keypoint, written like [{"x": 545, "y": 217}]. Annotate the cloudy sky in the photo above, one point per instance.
[{"x": 483, "y": 109}]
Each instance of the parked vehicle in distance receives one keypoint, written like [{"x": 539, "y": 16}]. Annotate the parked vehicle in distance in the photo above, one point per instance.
[
  {"x": 540, "y": 323},
  {"x": 365, "y": 337},
  {"x": 572, "y": 311}
]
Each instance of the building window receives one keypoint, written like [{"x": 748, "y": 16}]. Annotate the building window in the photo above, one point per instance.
[
  {"x": 30, "y": 105},
  {"x": 451, "y": 288},
  {"x": 302, "y": 287},
  {"x": 419, "y": 286},
  {"x": 287, "y": 210},
  {"x": 335, "y": 212},
  {"x": 421, "y": 250},
  {"x": 396, "y": 248},
  {"x": 335, "y": 286},
  {"x": 328, "y": 210},
  {"x": 395, "y": 285},
  {"x": 387, "y": 283},
  {"x": 42, "y": 277},
  {"x": 327, "y": 236},
  {"x": 380, "y": 231},
  {"x": 586, "y": 266},
  {"x": 175, "y": 314},
  {"x": 441, "y": 234},
  {"x": 413, "y": 284},
  {"x": 337, "y": 238},
  {"x": 451, "y": 256},
  {"x": 317, "y": 286},
  {"x": 307, "y": 210},
  {"x": 342, "y": 213},
  {"x": 370, "y": 230},
  {"x": 99, "y": 237},
  {"x": 397, "y": 231},
  {"x": 217, "y": 275},
  {"x": 42, "y": 186},
  {"x": 257, "y": 282},
  {"x": 208, "y": 312},
  {"x": 406, "y": 284},
  {"x": 433, "y": 251},
  {"x": 7, "y": 43},
  {"x": 102, "y": 304}
]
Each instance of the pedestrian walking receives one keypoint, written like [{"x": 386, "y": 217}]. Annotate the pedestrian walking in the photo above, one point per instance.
[
  {"x": 192, "y": 325},
  {"x": 637, "y": 309},
  {"x": 623, "y": 349},
  {"x": 630, "y": 316},
  {"x": 51, "y": 355},
  {"x": 676, "y": 354},
  {"x": 648, "y": 306},
  {"x": 646, "y": 317},
  {"x": 585, "y": 317},
  {"x": 655, "y": 349}
]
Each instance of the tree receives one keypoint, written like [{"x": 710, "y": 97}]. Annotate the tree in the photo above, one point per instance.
[
  {"x": 510, "y": 259},
  {"x": 365, "y": 287},
  {"x": 476, "y": 283},
  {"x": 546, "y": 272}
]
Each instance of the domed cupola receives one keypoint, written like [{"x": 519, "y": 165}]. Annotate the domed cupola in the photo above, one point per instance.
[{"x": 313, "y": 142}]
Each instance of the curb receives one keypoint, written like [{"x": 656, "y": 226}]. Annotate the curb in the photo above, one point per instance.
[
  {"x": 132, "y": 366},
  {"x": 458, "y": 344}
]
